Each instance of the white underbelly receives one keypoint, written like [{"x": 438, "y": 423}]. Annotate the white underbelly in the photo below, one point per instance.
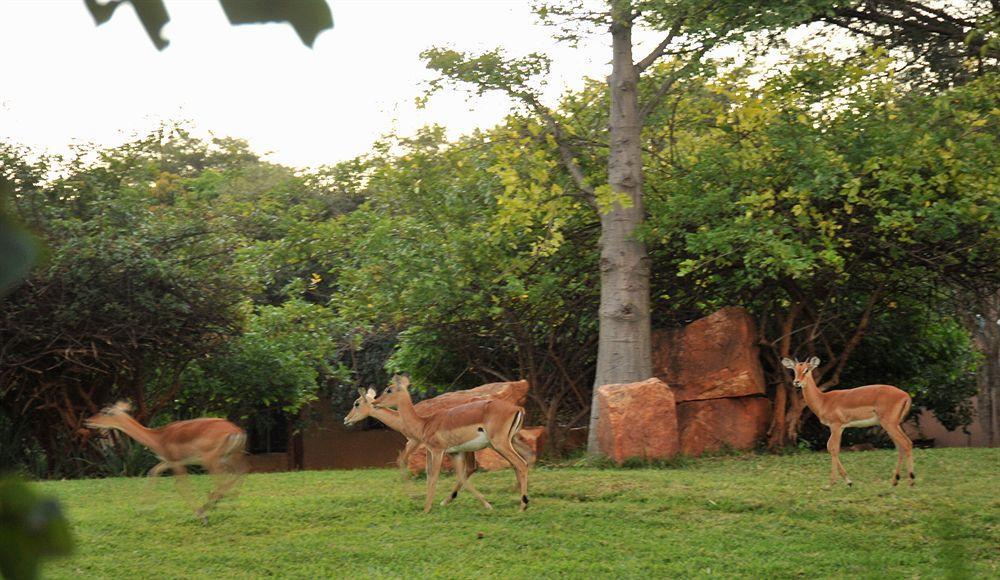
[
  {"x": 481, "y": 441},
  {"x": 863, "y": 422}
]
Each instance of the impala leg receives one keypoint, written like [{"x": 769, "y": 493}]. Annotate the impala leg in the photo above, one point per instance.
[
  {"x": 215, "y": 495},
  {"x": 507, "y": 451},
  {"x": 899, "y": 461},
  {"x": 404, "y": 458},
  {"x": 184, "y": 487},
  {"x": 151, "y": 476},
  {"x": 461, "y": 460},
  {"x": 833, "y": 446},
  {"x": 433, "y": 471},
  {"x": 905, "y": 448},
  {"x": 226, "y": 472},
  {"x": 458, "y": 462}
]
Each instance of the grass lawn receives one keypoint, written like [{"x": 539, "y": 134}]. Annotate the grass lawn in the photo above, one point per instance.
[{"x": 748, "y": 516}]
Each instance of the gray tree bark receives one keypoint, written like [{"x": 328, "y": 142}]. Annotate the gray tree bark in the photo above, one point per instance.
[{"x": 623, "y": 352}]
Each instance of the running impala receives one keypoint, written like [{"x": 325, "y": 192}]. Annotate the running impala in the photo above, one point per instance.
[
  {"x": 469, "y": 427},
  {"x": 866, "y": 406},
  {"x": 216, "y": 444}
]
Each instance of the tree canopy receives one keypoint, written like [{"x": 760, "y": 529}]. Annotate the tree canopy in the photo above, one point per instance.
[{"x": 848, "y": 196}]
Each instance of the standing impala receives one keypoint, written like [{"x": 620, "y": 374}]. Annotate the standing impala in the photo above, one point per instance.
[
  {"x": 469, "y": 427},
  {"x": 216, "y": 444},
  {"x": 866, "y": 406},
  {"x": 363, "y": 408}
]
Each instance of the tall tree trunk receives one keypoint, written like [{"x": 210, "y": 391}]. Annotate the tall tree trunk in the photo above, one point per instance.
[{"x": 623, "y": 351}]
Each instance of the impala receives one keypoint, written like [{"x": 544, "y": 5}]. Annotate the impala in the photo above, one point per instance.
[
  {"x": 866, "y": 406},
  {"x": 468, "y": 427},
  {"x": 216, "y": 444},
  {"x": 363, "y": 408}
]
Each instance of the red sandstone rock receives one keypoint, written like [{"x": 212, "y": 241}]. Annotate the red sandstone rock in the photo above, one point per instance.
[
  {"x": 637, "y": 420},
  {"x": 711, "y": 358},
  {"x": 710, "y": 425}
]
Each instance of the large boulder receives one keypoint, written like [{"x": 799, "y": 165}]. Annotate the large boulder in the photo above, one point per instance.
[
  {"x": 714, "y": 424},
  {"x": 637, "y": 420},
  {"x": 486, "y": 459},
  {"x": 711, "y": 358}
]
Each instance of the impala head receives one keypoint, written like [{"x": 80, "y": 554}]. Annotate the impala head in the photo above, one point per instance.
[
  {"x": 362, "y": 407},
  {"x": 801, "y": 369},
  {"x": 394, "y": 393},
  {"x": 109, "y": 417}
]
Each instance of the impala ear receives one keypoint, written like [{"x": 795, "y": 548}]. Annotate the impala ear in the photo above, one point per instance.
[
  {"x": 401, "y": 381},
  {"x": 121, "y": 407},
  {"x": 788, "y": 363},
  {"x": 813, "y": 362},
  {"x": 361, "y": 391},
  {"x": 370, "y": 395}
]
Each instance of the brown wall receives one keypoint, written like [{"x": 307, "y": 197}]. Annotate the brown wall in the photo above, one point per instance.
[
  {"x": 269, "y": 462},
  {"x": 931, "y": 428},
  {"x": 327, "y": 444}
]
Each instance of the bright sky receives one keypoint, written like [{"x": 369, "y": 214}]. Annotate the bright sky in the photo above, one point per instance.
[{"x": 66, "y": 80}]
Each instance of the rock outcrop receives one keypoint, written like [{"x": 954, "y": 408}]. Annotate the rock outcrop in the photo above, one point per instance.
[
  {"x": 711, "y": 358},
  {"x": 715, "y": 424},
  {"x": 637, "y": 420}
]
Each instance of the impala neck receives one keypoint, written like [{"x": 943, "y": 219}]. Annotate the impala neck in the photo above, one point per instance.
[
  {"x": 411, "y": 420},
  {"x": 811, "y": 393},
  {"x": 148, "y": 437},
  {"x": 390, "y": 419}
]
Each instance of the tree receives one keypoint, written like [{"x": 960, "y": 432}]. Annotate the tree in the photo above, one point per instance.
[
  {"x": 826, "y": 198},
  {"x": 465, "y": 291},
  {"x": 623, "y": 350}
]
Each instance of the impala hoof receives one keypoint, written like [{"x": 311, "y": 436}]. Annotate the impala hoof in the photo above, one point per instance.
[{"x": 487, "y": 506}]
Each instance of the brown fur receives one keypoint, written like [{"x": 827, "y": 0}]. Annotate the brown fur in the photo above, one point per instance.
[
  {"x": 885, "y": 404},
  {"x": 498, "y": 420},
  {"x": 216, "y": 444}
]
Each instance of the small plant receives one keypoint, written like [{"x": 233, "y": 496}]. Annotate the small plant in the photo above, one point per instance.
[{"x": 31, "y": 528}]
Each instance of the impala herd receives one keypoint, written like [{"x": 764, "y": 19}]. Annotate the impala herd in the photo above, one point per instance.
[{"x": 472, "y": 425}]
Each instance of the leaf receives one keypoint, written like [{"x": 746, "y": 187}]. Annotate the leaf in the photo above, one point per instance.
[
  {"x": 152, "y": 14},
  {"x": 18, "y": 251},
  {"x": 307, "y": 17}
]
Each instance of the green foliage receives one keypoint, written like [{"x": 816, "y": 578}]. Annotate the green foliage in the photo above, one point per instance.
[
  {"x": 307, "y": 17},
  {"x": 157, "y": 253},
  {"x": 931, "y": 357},
  {"x": 279, "y": 362},
  {"x": 32, "y": 528},
  {"x": 766, "y": 513},
  {"x": 489, "y": 71},
  {"x": 834, "y": 189}
]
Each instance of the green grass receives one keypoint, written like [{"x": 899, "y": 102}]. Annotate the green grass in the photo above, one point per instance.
[{"x": 746, "y": 516}]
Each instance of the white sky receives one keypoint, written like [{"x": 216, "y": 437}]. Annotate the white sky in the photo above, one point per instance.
[{"x": 65, "y": 80}]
